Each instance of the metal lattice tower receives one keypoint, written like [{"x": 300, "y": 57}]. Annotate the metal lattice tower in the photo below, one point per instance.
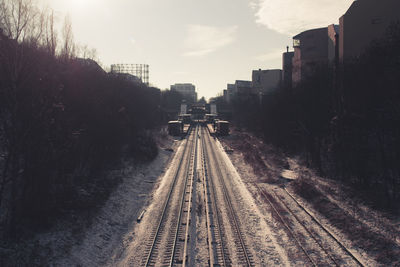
[{"x": 139, "y": 70}]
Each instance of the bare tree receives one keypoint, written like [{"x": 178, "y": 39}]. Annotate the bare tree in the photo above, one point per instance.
[
  {"x": 84, "y": 51},
  {"x": 68, "y": 48},
  {"x": 17, "y": 18},
  {"x": 50, "y": 34}
]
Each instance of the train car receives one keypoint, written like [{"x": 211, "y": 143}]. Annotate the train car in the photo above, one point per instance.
[
  {"x": 222, "y": 127},
  {"x": 185, "y": 118},
  {"x": 210, "y": 118},
  {"x": 175, "y": 128},
  {"x": 215, "y": 124}
]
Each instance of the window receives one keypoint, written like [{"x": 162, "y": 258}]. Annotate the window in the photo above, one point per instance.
[{"x": 296, "y": 42}]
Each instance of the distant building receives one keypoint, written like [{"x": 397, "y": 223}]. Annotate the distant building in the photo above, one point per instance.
[
  {"x": 213, "y": 108},
  {"x": 225, "y": 95},
  {"x": 230, "y": 92},
  {"x": 141, "y": 71},
  {"x": 363, "y": 22},
  {"x": 312, "y": 48},
  {"x": 265, "y": 81},
  {"x": 188, "y": 91},
  {"x": 287, "y": 67},
  {"x": 183, "y": 109},
  {"x": 242, "y": 87}
]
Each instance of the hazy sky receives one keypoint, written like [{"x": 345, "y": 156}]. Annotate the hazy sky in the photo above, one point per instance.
[{"x": 205, "y": 42}]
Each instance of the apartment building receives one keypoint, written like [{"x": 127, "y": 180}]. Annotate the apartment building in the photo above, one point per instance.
[
  {"x": 265, "y": 81},
  {"x": 365, "y": 21}
]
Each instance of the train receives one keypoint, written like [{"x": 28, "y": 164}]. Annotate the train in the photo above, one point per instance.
[
  {"x": 185, "y": 118},
  {"x": 183, "y": 124},
  {"x": 221, "y": 127},
  {"x": 175, "y": 128},
  {"x": 209, "y": 118}
]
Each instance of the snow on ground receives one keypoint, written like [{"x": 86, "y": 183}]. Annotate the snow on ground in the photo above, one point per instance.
[
  {"x": 110, "y": 239},
  {"x": 111, "y": 232},
  {"x": 260, "y": 236},
  {"x": 136, "y": 237},
  {"x": 262, "y": 164}
]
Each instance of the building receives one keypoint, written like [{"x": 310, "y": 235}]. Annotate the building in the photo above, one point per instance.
[
  {"x": 230, "y": 92},
  {"x": 363, "y": 22},
  {"x": 312, "y": 48},
  {"x": 242, "y": 87},
  {"x": 141, "y": 71},
  {"x": 183, "y": 108},
  {"x": 239, "y": 88},
  {"x": 225, "y": 95},
  {"x": 333, "y": 43},
  {"x": 213, "y": 108},
  {"x": 188, "y": 91},
  {"x": 287, "y": 67},
  {"x": 265, "y": 81}
]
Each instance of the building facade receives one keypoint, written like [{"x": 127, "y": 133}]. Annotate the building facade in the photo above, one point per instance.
[
  {"x": 365, "y": 21},
  {"x": 188, "y": 91},
  {"x": 242, "y": 87},
  {"x": 333, "y": 43},
  {"x": 230, "y": 92},
  {"x": 287, "y": 67},
  {"x": 312, "y": 48},
  {"x": 265, "y": 81}
]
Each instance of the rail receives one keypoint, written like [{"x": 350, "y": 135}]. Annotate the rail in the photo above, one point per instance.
[
  {"x": 242, "y": 246},
  {"x": 149, "y": 261}
]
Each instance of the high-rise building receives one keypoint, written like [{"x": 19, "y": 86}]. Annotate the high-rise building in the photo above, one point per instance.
[{"x": 188, "y": 91}]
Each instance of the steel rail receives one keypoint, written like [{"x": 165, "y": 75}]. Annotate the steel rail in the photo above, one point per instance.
[
  {"x": 210, "y": 237},
  {"x": 286, "y": 225},
  {"x": 230, "y": 207},
  {"x": 324, "y": 229},
  {"x": 182, "y": 205},
  {"x": 165, "y": 207},
  {"x": 214, "y": 206},
  {"x": 307, "y": 230}
]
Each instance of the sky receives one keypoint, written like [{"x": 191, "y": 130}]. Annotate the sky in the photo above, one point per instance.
[{"x": 205, "y": 42}]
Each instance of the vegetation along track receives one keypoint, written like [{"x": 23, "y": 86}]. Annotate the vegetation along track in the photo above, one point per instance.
[
  {"x": 301, "y": 231},
  {"x": 170, "y": 236},
  {"x": 244, "y": 257}
]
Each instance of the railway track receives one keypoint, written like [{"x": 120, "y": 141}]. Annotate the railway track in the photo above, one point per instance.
[
  {"x": 223, "y": 258},
  {"x": 288, "y": 217},
  {"x": 218, "y": 251},
  {"x": 351, "y": 255},
  {"x": 169, "y": 240},
  {"x": 169, "y": 244}
]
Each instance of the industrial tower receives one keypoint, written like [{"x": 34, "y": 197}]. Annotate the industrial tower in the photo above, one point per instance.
[{"x": 139, "y": 70}]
